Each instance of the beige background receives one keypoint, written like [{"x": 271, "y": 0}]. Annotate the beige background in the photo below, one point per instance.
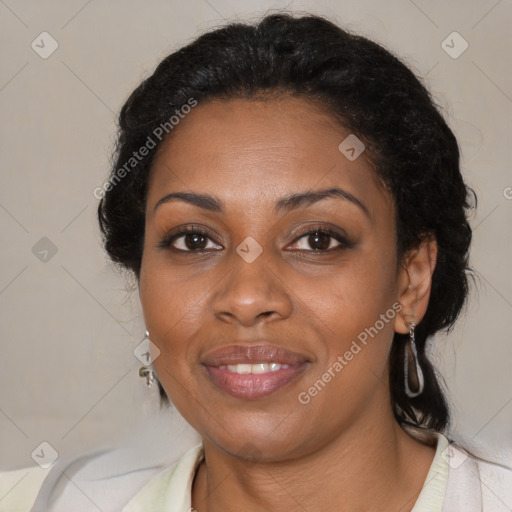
[{"x": 68, "y": 327}]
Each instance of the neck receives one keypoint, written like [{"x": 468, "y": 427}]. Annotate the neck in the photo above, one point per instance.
[{"x": 373, "y": 467}]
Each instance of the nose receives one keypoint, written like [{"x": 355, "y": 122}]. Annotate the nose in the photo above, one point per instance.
[{"x": 252, "y": 293}]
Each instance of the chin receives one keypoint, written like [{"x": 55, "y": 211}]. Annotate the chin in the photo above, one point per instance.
[{"x": 257, "y": 439}]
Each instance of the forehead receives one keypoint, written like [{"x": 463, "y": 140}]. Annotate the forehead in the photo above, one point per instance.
[{"x": 252, "y": 151}]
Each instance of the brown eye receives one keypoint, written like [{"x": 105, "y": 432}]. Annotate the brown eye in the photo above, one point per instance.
[
  {"x": 194, "y": 241},
  {"x": 320, "y": 240},
  {"x": 189, "y": 240}
]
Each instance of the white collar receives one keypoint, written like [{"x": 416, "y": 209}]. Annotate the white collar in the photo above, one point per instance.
[{"x": 452, "y": 483}]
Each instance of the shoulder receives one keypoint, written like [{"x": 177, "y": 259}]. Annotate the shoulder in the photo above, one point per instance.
[
  {"x": 171, "y": 489},
  {"x": 475, "y": 481},
  {"x": 496, "y": 482},
  {"x": 105, "y": 479},
  {"x": 19, "y": 488},
  {"x": 97, "y": 481}
]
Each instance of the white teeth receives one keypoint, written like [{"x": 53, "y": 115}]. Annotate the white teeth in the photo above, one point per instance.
[
  {"x": 243, "y": 368},
  {"x": 259, "y": 368},
  {"x": 256, "y": 368}
]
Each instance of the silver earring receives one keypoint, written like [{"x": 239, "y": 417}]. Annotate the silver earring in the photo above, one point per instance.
[
  {"x": 147, "y": 371},
  {"x": 416, "y": 375}
]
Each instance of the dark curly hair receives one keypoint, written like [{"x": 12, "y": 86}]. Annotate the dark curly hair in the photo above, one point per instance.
[{"x": 367, "y": 90}]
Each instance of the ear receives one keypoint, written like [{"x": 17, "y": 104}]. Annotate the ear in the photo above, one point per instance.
[{"x": 414, "y": 283}]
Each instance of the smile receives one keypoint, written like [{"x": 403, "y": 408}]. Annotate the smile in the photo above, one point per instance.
[
  {"x": 257, "y": 368},
  {"x": 254, "y": 381}
]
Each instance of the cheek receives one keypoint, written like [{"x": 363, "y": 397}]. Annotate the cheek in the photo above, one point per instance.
[
  {"x": 354, "y": 296},
  {"x": 357, "y": 340},
  {"x": 168, "y": 295},
  {"x": 166, "y": 314},
  {"x": 175, "y": 307},
  {"x": 354, "y": 310}
]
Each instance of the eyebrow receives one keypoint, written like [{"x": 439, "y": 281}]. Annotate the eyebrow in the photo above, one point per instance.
[{"x": 285, "y": 204}]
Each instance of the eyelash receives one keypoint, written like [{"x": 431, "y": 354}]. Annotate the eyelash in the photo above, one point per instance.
[{"x": 167, "y": 240}]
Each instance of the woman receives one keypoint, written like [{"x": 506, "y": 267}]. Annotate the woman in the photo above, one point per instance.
[{"x": 290, "y": 202}]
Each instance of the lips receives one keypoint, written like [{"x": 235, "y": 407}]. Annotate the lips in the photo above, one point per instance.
[
  {"x": 252, "y": 354},
  {"x": 232, "y": 369}
]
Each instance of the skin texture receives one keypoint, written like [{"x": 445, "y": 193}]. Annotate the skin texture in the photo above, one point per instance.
[{"x": 343, "y": 450}]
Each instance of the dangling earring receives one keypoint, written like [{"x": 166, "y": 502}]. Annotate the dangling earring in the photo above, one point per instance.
[
  {"x": 147, "y": 371},
  {"x": 412, "y": 372},
  {"x": 144, "y": 371}
]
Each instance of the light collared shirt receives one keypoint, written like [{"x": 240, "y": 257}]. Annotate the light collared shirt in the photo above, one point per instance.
[
  {"x": 456, "y": 482},
  {"x": 171, "y": 490}
]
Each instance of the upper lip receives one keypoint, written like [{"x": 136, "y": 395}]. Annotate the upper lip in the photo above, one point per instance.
[{"x": 252, "y": 354}]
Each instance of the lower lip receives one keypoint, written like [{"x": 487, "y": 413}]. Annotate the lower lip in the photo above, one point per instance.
[{"x": 253, "y": 386}]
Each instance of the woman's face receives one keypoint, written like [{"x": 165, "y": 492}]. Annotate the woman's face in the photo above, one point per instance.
[{"x": 253, "y": 288}]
